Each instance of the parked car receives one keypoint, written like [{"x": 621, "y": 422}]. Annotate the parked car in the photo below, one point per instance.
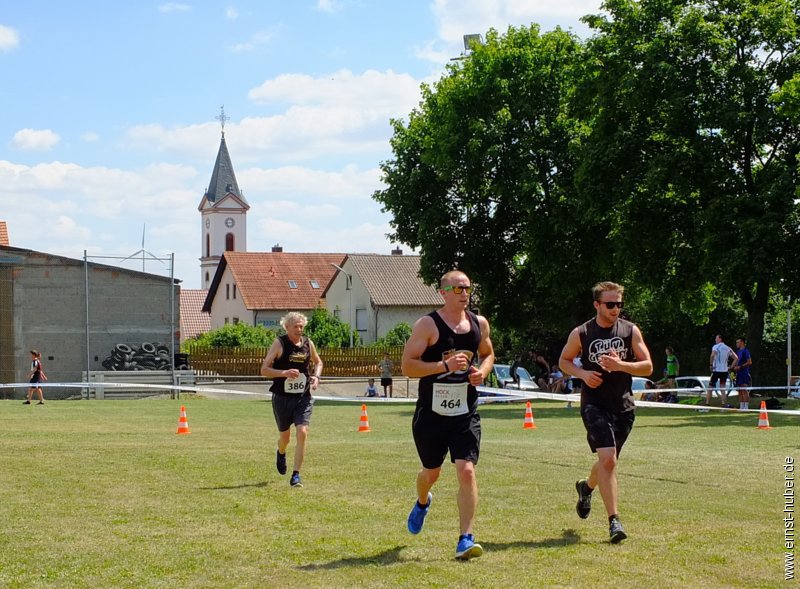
[
  {"x": 700, "y": 384},
  {"x": 502, "y": 376}
]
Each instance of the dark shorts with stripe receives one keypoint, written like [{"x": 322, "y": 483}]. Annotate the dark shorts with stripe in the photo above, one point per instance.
[
  {"x": 291, "y": 410},
  {"x": 606, "y": 429},
  {"x": 718, "y": 377},
  {"x": 435, "y": 435},
  {"x": 386, "y": 382}
]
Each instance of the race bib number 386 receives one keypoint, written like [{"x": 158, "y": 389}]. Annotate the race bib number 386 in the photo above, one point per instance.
[
  {"x": 450, "y": 399},
  {"x": 295, "y": 385}
]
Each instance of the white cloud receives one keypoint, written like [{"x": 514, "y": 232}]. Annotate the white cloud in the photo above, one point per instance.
[
  {"x": 90, "y": 136},
  {"x": 456, "y": 18},
  {"x": 34, "y": 139},
  {"x": 9, "y": 38},
  {"x": 174, "y": 7},
  {"x": 231, "y": 13},
  {"x": 255, "y": 41},
  {"x": 328, "y": 5},
  {"x": 339, "y": 113}
]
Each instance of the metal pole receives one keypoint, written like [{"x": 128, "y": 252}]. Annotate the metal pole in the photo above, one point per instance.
[
  {"x": 789, "y": 346},
  {"x": 172, "y": 323},
  {"x": 86, "y": 300},
  {"x": 350, "y": 284}
]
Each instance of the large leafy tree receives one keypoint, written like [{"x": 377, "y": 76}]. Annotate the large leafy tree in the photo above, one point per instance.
[
  {"x": 692, "y": 158},
  {"x": 482, "y": 175}
]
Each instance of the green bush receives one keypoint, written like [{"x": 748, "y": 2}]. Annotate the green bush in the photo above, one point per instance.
[{"x": 237, "y": 335}]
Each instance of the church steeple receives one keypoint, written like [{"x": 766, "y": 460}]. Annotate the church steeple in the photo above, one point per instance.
[
  {"x": 223, "y": 180},
  {"x": 223, "y": 210}
]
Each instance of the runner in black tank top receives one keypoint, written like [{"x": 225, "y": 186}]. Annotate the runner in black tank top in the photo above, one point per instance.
[
  {"x": 295, "y": 367},
  {"x": 451, "y": 353},
  {"x": 611, "y": 351}
]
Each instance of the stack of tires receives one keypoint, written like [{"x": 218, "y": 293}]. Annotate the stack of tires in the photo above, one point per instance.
[{"x": 148, "y": 356}]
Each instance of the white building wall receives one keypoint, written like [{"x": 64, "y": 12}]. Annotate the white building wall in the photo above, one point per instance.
[{"x": 226, "y": 306}]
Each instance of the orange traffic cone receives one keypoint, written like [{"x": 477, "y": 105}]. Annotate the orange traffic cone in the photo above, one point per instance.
[
  {"x": 363, "y": 425},
  {"x": 183, "y": 425},
  {"x": 763, "y": 418},
  {"x": 529, "y": 424}
]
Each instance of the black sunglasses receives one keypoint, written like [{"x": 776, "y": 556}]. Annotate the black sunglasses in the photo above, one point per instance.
[{"x": 612, "y": 304}]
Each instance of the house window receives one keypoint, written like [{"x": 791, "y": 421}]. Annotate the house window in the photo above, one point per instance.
[
  {"x": 229, "y": 242},
  {"x": 292, "y": 284},
  {"x": 361, "y": 319},
  {"x": 235, "y": 320},
  {"x": 207, "y": 277},
  {"x": 226, "y": 321},
  {"x": 208, "y": 246},
  {"x": 314, "y": 284},
  {"x": 337, "y": 313},
  {"x": 227, "y": 292},
  {"x": 234, "y": 291}
]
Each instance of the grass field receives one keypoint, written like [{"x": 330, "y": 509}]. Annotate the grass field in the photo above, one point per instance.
[{"x": 105, "y": 494}]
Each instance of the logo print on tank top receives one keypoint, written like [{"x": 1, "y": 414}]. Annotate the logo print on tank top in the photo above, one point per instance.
[{"x": 600, "y": 347}]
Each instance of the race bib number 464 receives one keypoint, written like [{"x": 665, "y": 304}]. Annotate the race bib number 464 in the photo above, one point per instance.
[
  {"x": 450, "y": 399},
  {"x": 295, "y": 385}
]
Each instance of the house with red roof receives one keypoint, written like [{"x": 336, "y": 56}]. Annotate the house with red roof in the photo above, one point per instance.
[{"x": 258, "y": 288}]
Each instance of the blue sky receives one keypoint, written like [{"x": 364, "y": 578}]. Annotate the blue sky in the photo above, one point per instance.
[{"x": 109, "y": 114}]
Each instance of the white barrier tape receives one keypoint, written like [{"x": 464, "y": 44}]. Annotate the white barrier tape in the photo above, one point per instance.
[{"x": 494, "y": 395}]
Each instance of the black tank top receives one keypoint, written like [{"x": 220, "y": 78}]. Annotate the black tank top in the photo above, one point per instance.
[
  {"x": 293, "y": 356},
  {"x": 614, "y": 393},
  {"x": 449, "y": 343}
]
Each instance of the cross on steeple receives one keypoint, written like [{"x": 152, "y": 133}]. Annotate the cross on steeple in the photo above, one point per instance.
[{"x": 222, "y": 118}]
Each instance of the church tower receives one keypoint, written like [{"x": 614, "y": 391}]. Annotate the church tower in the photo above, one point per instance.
[{"x": 223, "y": 214}]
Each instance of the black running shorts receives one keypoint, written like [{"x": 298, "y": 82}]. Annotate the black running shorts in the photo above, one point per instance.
[
  {"x": 435, "y": 435},
  {"x": 606, "y": 429},
  {"x": 291, "y": 410}
]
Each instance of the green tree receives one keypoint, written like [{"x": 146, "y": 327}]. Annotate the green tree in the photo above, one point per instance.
[
  {"x": 235, "y": 335},
  {"x": 691, "y": 163},
  {"x": 482, "y": 173},
  {"x": 396, "y": 336},
  {"x": 327, "y": 331}
]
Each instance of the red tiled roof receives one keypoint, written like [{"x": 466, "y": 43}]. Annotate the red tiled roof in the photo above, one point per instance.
[
  {"x": 263, "y": 278},
  {"x": 4, "y": 233},
  {"x": 193, "y": 320}
]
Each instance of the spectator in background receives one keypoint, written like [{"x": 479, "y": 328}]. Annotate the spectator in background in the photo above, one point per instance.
[
  {"x": 742, "y": 369},
  {"x": 558, "y": 383},
  {"x": 720, "y": 360},
  {"x": 512, "y": 371},
  {"x": 542, "y": 370},
  {"x": 672, "y": 367},
  {"x": 372, "y": 390},
  {"x": 386, "y": 366},
  {"x": 36, "y": 375}
]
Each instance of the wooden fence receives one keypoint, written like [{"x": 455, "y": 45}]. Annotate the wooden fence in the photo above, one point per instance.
[{"x": 336, "y": 361}]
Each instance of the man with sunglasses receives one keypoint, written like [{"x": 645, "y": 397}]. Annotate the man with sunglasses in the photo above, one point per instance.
[
  {"x": 611, "y": 350},
  {"x": 451, "y": 353}
]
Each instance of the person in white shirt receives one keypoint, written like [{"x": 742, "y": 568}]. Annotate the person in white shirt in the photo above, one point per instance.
[{"x": 722, "y": 358}]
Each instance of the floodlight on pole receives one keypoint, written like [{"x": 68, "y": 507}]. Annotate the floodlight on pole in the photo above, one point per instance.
[
  {"x": 470, "y": 41},
  {"x": 349, "y": 283}
]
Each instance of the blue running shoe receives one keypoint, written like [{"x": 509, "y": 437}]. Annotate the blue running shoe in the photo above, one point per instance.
[
  {"x": 417, "y": 516},
  {"x": 467, "y": 548},
  {"x": 295, "y": 480},
  {"x": 616, "y": 531}
]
